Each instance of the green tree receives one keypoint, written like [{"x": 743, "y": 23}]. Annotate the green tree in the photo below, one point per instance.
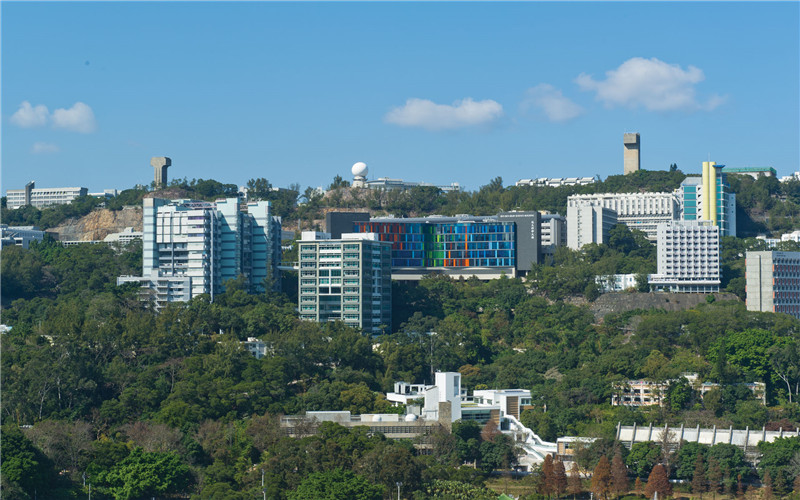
[
  {"x": 24, "y": 468},
  {"x": 142, "y": 474},
  {"x": 336, "y": 484},
  {"x": 643, "y": 457}
]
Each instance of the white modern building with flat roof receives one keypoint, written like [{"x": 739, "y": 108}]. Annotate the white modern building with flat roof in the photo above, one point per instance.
[
  {"x": 348, "y": 279},
  {"x": 688, "y": 257},
  {"x": 42, "y": 197},
  {"x": 557, "y": 181},
  {"x": 772, "y": 282},
  {"x": 642, "y": 211},
  {"x": 587, "y": 223}
]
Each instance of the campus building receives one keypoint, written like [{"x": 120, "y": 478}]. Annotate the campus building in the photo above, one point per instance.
[
  {"x": 360, "y": 172},
  {"x": 642, "y": 211},
  {"x": 557, "y": 181},
  {"x": 20, "y": 235},
  {"x": 699, "y": 202},
  {"x": 347, "y": 279},
  {"x": 688, "y": 257},
  {"x": 772, "y": 282},
  {"x": 754, "y": 172},
  {"x": 42, "y": 197},
  {"x": 193, "y": 247},
  {"x": 462, "y": 246},
  {"x": 553, "y": 231},
  {"x": 588, "y": 223}
]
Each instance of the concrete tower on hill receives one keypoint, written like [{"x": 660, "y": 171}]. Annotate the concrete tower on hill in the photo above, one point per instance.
[
  {"x": 631, "y": 161},
  {"x": 160, "y": 164}
]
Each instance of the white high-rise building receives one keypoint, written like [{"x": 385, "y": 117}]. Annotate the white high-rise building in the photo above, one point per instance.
[
  {"x": 642, "y": 211},
  {"x": 773, "y": 282},
  {"x": 193, "y": 247},
  {"x": 688, "y": 257},
  {"x": 347, "y": 279},
  {"x": 587, "y": 223}
]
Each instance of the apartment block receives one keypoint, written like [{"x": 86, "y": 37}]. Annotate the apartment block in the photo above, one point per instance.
[
  {"x": 642, "y": 211},
  {"x": 773, "y": 282},
  {"x": 347, "y": 279},
  {"x": 688, "y": 257},
  {"x": 193, "y": 247},
  {"x": 588, "y": 223}
]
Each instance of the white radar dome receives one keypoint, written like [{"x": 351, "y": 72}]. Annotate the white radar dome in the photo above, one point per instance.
[
  {"x": 359, "y": 169},
  {"x": 410, "y": 417}
]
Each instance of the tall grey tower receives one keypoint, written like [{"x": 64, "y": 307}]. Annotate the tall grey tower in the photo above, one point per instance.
[
  {"x": 630, "y": 158},
  {"x": 160, "y": 164}
]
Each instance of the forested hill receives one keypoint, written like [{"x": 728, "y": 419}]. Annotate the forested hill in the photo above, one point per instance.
[{"x": 96, "y": 383}]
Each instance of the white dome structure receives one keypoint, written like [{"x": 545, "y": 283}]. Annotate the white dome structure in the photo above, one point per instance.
[{"x": 360, "y": 171}]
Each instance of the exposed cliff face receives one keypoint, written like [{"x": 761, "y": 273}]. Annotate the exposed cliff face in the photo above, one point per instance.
[
  {"x": 98, "y": 224},
  {"x": 623, "y": 301}
]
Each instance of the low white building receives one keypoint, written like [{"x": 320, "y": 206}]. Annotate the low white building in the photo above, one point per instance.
[
  {"x": 616, "y": 282},
  {"x": 42, "y": 197},
  {"x": 557, "y": 181},
  {"x": 124, "y": 237},
  {"x": 256, "y": 347}
]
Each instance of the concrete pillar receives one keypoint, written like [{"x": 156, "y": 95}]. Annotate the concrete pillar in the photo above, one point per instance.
[
  {"x": 631, "y": 160},
  {"x": 160, "y": 164}
]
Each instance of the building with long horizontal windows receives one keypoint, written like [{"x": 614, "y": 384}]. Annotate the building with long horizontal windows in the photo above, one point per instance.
[
  {"x": 347, "y": 279},
  {"x": 642, "y": 211},
  {"x": 42, "y": 197},
  {"x": 486, "y": 247}
]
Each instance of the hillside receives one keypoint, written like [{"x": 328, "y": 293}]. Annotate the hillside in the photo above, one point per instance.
[{"x": 98, "y": 224}]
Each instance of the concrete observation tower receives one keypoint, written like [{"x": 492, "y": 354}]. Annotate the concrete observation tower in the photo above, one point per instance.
[{"x": 160, "y": 165}]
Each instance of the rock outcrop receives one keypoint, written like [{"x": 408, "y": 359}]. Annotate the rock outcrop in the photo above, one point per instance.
[{"x": 98, "y": 224}]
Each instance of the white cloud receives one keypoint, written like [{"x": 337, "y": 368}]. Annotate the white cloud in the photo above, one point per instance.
[
  {"x": 431, "y": 116},
  {"x": 78, "y": 118},
  {"x": 44, "y": 148},
  {"x": 650, "y": 83},
  {"x": 28, "y": 116},
  {"x": 550, "y": 101}
]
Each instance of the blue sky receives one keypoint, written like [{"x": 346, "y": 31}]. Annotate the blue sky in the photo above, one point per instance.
[{"x": 434, "y": 92}]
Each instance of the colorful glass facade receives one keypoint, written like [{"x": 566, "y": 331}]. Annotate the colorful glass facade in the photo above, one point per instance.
[{"x": 433, "y": 244}]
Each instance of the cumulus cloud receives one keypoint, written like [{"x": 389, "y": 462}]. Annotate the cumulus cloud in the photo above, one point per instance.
[
  {"x": 28, "y": 116},
  {"x": 431, "y": 116},
  {"x": 44, "y": 148},
  {"x": 650, "y": 83},
  {"x": 550, "y": 101},
  {"x": 78, "y": 118}
]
